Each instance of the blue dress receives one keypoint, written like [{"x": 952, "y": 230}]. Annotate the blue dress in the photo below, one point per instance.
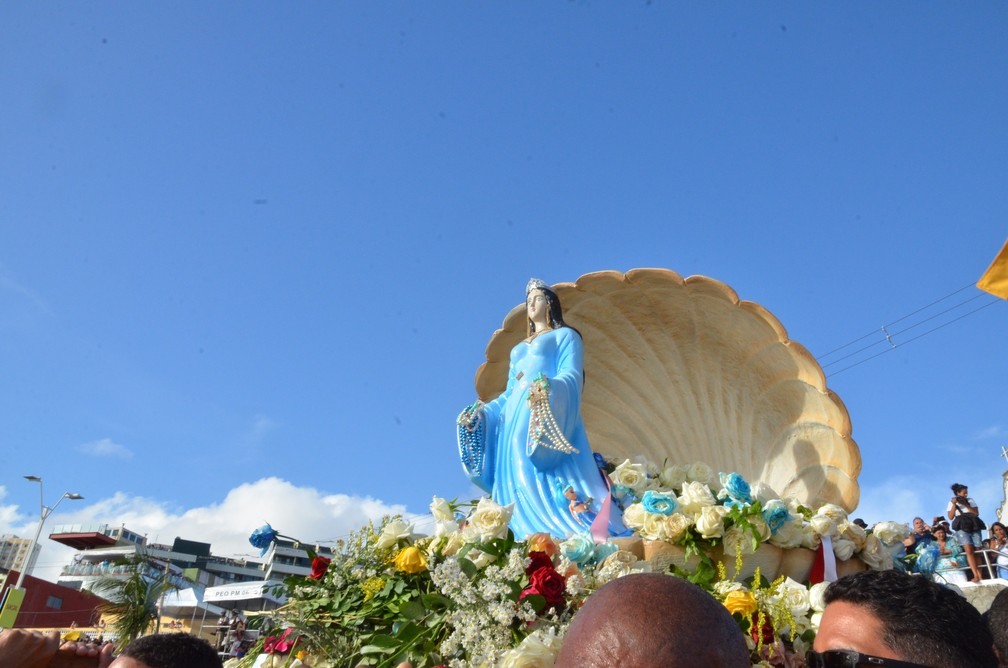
[{"x": 516, "y": 469}]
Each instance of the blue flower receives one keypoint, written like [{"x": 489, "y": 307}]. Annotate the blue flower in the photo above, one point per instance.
[
  {"x": 658, "y": 503},
  {"x": 623, "y": 495},
  {"x": 579, "y": 548},
  {"x": 603, "y": 550},
  {"x": 776, "y": 514},
  {"x": 736, "y": 488},
  {"x": 262, "y": 538}
]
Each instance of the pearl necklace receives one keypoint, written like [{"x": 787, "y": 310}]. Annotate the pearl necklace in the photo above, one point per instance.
[{"x": 543, "y": 428}]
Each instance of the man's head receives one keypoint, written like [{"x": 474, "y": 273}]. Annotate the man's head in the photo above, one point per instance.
[
  {"x": 168, "y": 650},
  {"x": 906, "y": 617},
  {"x": 997, "y": 618},
  {"x": 649, "y": 620}
]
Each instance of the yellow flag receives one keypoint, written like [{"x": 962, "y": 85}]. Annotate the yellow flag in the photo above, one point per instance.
[{"x": 995, "y": 279}]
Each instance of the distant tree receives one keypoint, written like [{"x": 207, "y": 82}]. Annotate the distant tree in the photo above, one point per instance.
[{"x": 132, "y": 598}]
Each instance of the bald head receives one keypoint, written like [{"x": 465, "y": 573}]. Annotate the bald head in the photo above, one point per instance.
[{"x": 648, "y": 620}]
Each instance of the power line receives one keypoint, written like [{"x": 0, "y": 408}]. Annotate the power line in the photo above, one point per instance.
[
  {"x": 993, "y": 301},
  {"x": 900, "y": 319},
  {"x": 888, "y": 335}
]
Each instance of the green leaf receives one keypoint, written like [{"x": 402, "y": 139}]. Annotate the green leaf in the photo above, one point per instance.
[
  {"x": 468, "y": 567},
  {"x": 435, "y": 601},
  {"x": 412, "y": 610},
  {"x": 537, "y": 602}
]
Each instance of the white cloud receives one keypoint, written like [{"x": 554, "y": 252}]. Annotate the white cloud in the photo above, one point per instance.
[
  {"x": 901, "y": 498},
  {"x": 261, "y": 427},
  {"x": 106, "y": 447},
  {"x": 993, "y": 432},
  {"x": 302, "y": 512},
  {"x": 897, "y": 499}
]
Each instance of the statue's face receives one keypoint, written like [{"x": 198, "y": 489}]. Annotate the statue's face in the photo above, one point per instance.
[{"x": 536, "y": 305}]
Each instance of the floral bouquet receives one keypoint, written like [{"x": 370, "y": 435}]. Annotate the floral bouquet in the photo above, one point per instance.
[{"x": 472, "y": 595}]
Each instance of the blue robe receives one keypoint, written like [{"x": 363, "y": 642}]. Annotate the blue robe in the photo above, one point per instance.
[{"x": 516, "y": 470}]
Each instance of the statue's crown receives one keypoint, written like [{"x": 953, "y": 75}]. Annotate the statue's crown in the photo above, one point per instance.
[{"x": 535, "y": 284}]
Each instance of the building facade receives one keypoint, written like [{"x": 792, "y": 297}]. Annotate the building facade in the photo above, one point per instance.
[{"x": 12, "y": 553}]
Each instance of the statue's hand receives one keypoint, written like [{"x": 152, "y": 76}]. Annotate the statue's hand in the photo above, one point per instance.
[{"x": 471, "y": 415}]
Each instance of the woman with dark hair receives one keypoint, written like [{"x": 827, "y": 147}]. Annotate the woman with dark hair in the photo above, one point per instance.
[
  {"x": 943, "y": 558},
  {"x": 530, "y": 441},
  {"x": 968, "y": 526},
  {"x": 999, "y": 542}
]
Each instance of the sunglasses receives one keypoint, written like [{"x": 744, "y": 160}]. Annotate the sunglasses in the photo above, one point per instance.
[{"x": 846, "y": 658}]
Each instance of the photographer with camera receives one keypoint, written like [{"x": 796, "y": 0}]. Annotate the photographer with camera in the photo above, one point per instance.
[{"x": 968, "y": 526}]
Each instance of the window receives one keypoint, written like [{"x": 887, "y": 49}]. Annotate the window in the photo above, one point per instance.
[{"x": 54, "y": 602}]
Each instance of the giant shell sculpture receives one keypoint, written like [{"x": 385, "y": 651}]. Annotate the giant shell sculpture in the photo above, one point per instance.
[{"x": 682, "y": 370}]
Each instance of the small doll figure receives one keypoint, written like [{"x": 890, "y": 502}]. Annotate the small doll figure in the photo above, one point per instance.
[{"x": 581, "y": 510}]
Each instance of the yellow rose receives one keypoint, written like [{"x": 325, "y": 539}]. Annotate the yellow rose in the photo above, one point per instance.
[
  {"x": 740, "y": 601},
  {"x": 410, "y": 560}
]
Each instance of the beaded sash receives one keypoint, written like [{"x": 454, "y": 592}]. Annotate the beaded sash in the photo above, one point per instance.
[{"x": 472, "y": 439}]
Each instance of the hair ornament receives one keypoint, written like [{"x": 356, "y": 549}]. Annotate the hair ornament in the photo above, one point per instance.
[{"x": 535, "y": 284}]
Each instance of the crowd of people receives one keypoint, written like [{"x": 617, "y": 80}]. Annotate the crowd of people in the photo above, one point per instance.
[
  {"x": 650, "y": 620},
  {"x": 953, "y": 548},
  {"x": 21, "y": 648}
]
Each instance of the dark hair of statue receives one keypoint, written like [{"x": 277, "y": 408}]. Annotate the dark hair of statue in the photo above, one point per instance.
[
  {"x": 922, "y": 620},
  {"x": 554, "y": 319},
  {"x": 555, "y": 316}
]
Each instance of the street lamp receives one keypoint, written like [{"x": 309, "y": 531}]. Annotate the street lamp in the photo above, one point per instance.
[{"x": 44, "y": 513}]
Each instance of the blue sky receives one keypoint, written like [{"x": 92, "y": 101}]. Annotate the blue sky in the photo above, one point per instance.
[{"x": 251, "y": 254}]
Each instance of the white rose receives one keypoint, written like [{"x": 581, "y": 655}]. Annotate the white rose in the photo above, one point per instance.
[
  {"x": 650, "y": 468},
  {"x": 817, "y": 596},
  {"x": 875, "y": 554},
  {"x": 710, "y": 522},
  {"x": 762, "y": 492},
  {"x": 620, "y": 557},
  {"x": 531, "y": 653},
  {"x": 843, "y": 548},
  {"x": 700, "y": 472},
  {"x": 450, "y": 544},
  {"x": 491, "y": 519},
  {"x": 654, "y": 527},
  {"x": 891, "y": 533},
  {"x": 824, "y": 525},
  {"x": 736, "y": 540},
  {"x": 634, "y": 516},
  {"x": 673, "y": 477},
  {"x": 446, "y": 528},
  {"x": 695, "y": 496},
  {"x": 853, "y": 533},
  {"x": 676, "y": 525},
  {"x": 393, "y": 532},
  {"x": 762, "y": 528},
  {"x": 789, "y": 535},
  {"x": 722, "y": 587},
  {"x": 815, "y": 619},
  {"x": 441, "y": 510},
  {"x": 833, "y": 511},
  {"x": 796, "y": 596},
  {"x": 810, "y": 538},
  {"x": 480, "y": 558},
  {"x": 631, "y": 475}
]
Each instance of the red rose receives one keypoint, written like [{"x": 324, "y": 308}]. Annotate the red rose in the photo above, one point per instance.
[
  {"x": 550, "y": 585},
  {"x": 319, "y": 566},
  {"x": 766, "y": 631},
  {"x": 539, "y": 560}
]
